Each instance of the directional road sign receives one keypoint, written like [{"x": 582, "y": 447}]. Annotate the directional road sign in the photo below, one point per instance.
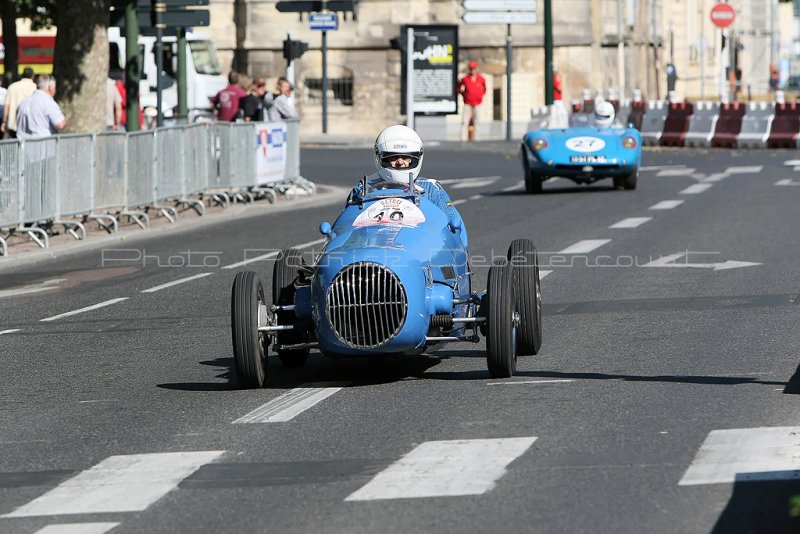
[
  {"x": 308, "y": 6},
  {"x": 323, "y": 21},
  {"x": 499, "y": 17},
  {"x": 500, "y": 5}
]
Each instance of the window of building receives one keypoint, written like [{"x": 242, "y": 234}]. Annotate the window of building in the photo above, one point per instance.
[{"x": 340, "y": 91}]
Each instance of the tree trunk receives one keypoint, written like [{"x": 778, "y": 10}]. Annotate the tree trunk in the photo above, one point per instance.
[
  {"x": 10, "y": 41},
  {"x": 81, "y": 64}
]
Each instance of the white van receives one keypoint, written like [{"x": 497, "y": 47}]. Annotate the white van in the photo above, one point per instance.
[{"x": 203, "y": 76}]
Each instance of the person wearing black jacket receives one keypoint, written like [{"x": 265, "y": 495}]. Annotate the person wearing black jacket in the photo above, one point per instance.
[{"x": 252, "y": 106}]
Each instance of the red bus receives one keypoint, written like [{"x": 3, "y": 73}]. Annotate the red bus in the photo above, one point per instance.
[{"x": 35, "y": 51}]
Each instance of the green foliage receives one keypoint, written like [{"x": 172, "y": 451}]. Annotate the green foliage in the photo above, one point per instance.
[{"x": 41, "y": 12}]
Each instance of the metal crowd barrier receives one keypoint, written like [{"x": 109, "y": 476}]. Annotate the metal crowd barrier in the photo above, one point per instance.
[{"x": 71, "y": 179}]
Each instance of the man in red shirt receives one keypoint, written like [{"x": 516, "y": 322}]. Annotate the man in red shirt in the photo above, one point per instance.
[
  {"x": 226, "y": 102},
  {"x": 471, "y": 87}
]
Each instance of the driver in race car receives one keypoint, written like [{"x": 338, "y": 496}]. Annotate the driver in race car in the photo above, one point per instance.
[
  {"x": 604, "y": 114},
  {"x": 398, "y": 153}
]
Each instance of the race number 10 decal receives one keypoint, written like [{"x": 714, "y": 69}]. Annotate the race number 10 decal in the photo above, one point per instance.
[
  {"x": 390, "y": 211},
  {"x": 585, "y": 144}
]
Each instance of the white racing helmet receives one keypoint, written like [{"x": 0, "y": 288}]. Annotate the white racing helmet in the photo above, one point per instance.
[
  {"x": 604, "y": 114},
  {"x": 398, "y": 140}
]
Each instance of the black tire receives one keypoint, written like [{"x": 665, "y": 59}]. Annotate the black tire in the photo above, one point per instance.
[
  {"x": 627, "y": 182},
  {"x": 500, "y": 343},
  {"x": 533, "y": 182},
  {"x": 249, "y": 347},
  {"x": 283, "y": 290},
  {"x": 527, "y": 295}
]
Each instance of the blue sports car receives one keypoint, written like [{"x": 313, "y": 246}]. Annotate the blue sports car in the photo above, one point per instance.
[
  {"x": 584, "y": 154},
  {"x": 393, "y": 278}
]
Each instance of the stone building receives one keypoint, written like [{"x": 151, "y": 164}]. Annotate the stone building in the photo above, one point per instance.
[{"x": 365, "y": 72}]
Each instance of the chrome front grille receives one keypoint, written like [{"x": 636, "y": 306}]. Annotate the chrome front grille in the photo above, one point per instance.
[{"x": 366, "y": 305}]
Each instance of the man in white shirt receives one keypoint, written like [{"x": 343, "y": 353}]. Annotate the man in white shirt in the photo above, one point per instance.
[
  {"x": 283, "y": 105},
  {"x": 39, "y": 115},
  {"x": 17, "y": 92}
]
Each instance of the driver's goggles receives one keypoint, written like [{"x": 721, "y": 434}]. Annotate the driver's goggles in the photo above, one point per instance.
[{"x": 388, "y": 157}]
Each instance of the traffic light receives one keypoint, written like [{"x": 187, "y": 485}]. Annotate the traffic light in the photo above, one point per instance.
[{"x": 293, "y": 49}]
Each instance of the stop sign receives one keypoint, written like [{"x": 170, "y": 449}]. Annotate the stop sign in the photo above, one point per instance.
[{"x": 722, "y": 15}]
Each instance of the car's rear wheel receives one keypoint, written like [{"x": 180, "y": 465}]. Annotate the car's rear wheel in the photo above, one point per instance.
[
  {"x": 284, "y": 276},
  {"x": 501, "y": 354},
  {"x": 527, "y": 295},
  {"x": 249, "y": 346}
]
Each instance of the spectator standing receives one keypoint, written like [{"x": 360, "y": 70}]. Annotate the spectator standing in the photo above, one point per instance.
[
  {"x": 774, "y": 79},
  {"x": 39, "y": 115},
  {"x": 253, "y": 104},
  {"x": 17, "y": 92},
  {"x": 472, "y": 88},
  {"x": 226, "y": 102},
  {"x": 113, "y": 106},
  {"x": 283, "y": 106}
]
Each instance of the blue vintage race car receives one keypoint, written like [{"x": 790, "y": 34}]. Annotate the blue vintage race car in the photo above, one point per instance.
[
  {"x": 393, "y": 278},
  {"x": 584, "y": 154}
]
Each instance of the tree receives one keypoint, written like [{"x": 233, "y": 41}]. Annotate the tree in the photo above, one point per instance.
[
  {"x": 81, "y": 63},
  {"x": 8, "y": 12}
]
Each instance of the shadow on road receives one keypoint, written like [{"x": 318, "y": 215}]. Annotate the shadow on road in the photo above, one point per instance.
[{"x": 762, "y": 506}]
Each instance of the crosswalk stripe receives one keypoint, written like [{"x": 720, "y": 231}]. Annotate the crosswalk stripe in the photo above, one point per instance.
[
  {"x": 445, "y": 469},
  {"x": 666, "y": 205},
  {"x": 631, "y": 222},
  {"x": 77, "y": 528},
  {"x": 288, "y": 406},
  {"x": 744, "y": 169},
  {"x": 127, "y": 483},
  {"x": 585, "y": 246},
  {"x": 746, "y": 454},
  {"x": 696, "y": 189}
]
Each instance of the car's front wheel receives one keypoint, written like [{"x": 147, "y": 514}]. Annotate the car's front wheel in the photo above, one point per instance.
[
  {"x": 627, "y": 182},
  {"x": 249, "y": 345},
  {"x": 501, "y": 341}
]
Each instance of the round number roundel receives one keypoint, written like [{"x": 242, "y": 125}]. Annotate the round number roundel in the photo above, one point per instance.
[{"x": 585, "y": 144}]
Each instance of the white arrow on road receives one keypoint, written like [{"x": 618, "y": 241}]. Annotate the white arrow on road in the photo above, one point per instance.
[{"x": 669, "y": 261}]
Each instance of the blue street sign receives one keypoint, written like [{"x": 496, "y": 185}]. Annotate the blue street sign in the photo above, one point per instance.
[{"x": 323, "y": 21}]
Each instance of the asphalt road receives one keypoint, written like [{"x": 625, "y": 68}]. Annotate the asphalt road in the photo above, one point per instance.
[{"x": 664, "y": 398}]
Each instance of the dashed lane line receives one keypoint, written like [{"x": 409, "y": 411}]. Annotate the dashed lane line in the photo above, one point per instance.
[
  {"x": 744, "y": 169},
  {"x": 445, "y": 469},
  {"x": 468, "y": 183},
  {"x": 77, "y": 528},
  {"x": 514, "y": 187},
  {"x": 127, "y": 483},
  {"x": 792, "y": 163},
  {"x": 664, "y": 260},
  {"x": 631, "y": 222},
  {"x": 786, "y": 181},
  {"x": 272, "y": 254},
  {"x": 83, "y": 310},
  {"x": 515, "y": 382},
  {"x": 13, "y": 330},
  {"x": 585, "y": 246},
  {"x": 288, "y": 406},
  {"x": 461, "y": 201},
  {"x": 176, "y": 282},
  {"x": 696, "y": 189},
  {"x": 683, "y": 171},
  {"x": 666, "y": 205},
  {"x": 746, "y": 454}
]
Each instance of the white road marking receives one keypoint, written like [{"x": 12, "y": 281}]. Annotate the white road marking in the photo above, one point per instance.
[
  {"x": 746, "y": 454},
  {"x": 667, "y": 205},
  {"x": 176, "y": 282},
  {"x": 77, "y": 528},
  {"x": 660, "y": 167},
  {"x": 513, "y": 187},
  {"x": 468, "y": 183},
  {"x": 528, "y": 382},
  {"x": 683, "y": 171},
  {"x": 457, "y": 202},
  {"x": 288, "y": 406},
  {"x": 696, "y": 189},
  {"x": 631, "y": 222},
  {"x": 128, "y": 483},
  {"x": 273, "y": 254},
  {"x": 792, "y": 163},
  {"x": 86, "y": 309},
  {"x": 786, "y": 181},
  {"x": 470, "y": 180},
  {"x": 47, "y": 285},
  {"x": 10, "y": 331},
  {"x": 585, "y": 246},
  {"x": 445, "y": 469},
  {"x": 475, "y": 197},
  {"x": 744, "y": 169},
  {"x": 542, "y": 274},
  {"x": 716, "y": 177},
  {"x": 664, "y": 260}
]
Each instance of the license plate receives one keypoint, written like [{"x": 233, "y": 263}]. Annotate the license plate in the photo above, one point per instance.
[{"x": 588, "y": 159}]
